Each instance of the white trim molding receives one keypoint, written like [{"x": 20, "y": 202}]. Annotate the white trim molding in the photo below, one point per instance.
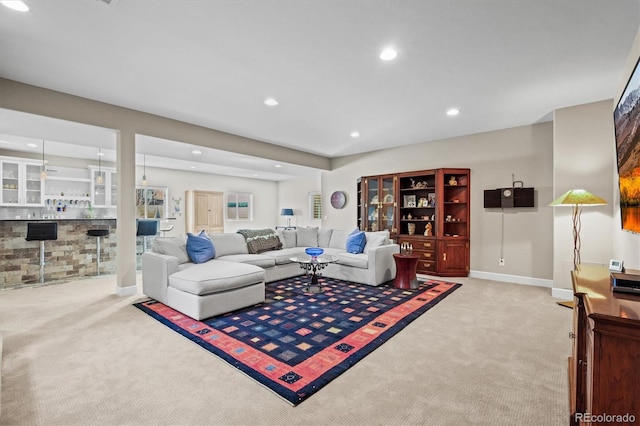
[
  {"x": 126, "y": 291},
  {"x": 516, "y": 279}
]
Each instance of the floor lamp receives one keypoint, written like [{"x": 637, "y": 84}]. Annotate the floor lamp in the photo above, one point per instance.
[{"x": 577, "y": 198}]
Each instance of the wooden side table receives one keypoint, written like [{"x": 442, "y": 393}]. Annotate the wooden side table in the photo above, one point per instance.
[{"x": 406, "y": 271}]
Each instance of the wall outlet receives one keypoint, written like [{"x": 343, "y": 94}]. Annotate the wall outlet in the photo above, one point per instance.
[{"x": 501, "y": 261}]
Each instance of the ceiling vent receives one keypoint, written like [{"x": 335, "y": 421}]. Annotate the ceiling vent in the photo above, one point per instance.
[{"x": 109, "y": 2}]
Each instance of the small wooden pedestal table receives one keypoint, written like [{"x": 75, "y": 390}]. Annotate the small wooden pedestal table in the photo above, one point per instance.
[{"x": 406, "y": 271}]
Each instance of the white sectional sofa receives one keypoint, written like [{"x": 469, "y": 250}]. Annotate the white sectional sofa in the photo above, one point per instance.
[{"x": 236, "y": 278}]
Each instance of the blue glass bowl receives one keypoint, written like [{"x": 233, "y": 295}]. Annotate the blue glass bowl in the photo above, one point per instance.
[{"x": 314, "y": 251}]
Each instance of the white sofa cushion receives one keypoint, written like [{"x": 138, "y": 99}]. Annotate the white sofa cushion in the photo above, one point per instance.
[
  {"x": 324, "y": 236},
  {"x": 229, "y": 243},
  {"x": 251, "y": 259},
  {"x": 172, "y": 246},
  {"x": 216, "y": 276},
  {"x": 288, "y": 237},
  {"x": 338, "y": 239},
  {"x": 282, "y": 257},
  {"x": 360, "y": 260},
  {"x": 307, "y": 237},
  {"x": 375, "y": 239}
]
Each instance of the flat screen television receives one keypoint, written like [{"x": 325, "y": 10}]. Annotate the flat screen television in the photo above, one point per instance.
[{"x": 626, "y": 119}]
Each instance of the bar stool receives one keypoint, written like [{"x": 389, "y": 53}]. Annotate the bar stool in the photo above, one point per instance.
[
  {"x": 42, "y": 231},
  {"x": 146, "y": 228},
  {"x": 98, "y": 233},
  {"x": 166, "y": 229}
]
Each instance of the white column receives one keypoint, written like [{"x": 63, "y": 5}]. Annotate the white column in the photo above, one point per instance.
[{"x": 126, "y": 224}]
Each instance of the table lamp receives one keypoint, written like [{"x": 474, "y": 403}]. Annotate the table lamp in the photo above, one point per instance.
[{"x": 288, "y": 213}]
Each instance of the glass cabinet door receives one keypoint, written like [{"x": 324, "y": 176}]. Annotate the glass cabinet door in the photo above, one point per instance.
[
  {"x": 21, "y": 183},
  {"x": 10, "y": 183},
  {"x": 99, "y": 179},
  {"x": 34, "y": 185},
  {"x": 113, "y": 184},
  {"x": 372, "y": 204},
  {"x": 387, "y": 205},
  {"x": 380, "y": 203}
]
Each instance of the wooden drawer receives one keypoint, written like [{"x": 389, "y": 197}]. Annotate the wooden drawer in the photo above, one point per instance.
[{"x": 426, "y": 266}]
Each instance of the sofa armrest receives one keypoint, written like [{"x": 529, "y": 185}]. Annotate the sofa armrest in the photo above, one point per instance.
[
  {"x": 156, "y": 269},
  {"x": 382, "y": 266}
]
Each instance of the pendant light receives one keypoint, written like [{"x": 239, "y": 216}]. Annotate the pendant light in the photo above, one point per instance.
[
  {"x": 99, "y": 178},
  {"x": 43, "y": 172},
  {"x": 144, "y": 173}
]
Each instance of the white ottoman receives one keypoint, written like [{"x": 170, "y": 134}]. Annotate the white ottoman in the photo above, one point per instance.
[{"x": 215, "y": 287}]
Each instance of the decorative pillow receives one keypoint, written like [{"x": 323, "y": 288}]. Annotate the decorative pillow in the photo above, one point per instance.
[
  {"x": 261, "y": 240},
  {"x": 200, "y": 247},
  {"x": 356, "y": 242},
  {"x": 288, "y": 237},
  {"x": 308, "y": 237},
  {"x": 172, "y": 246},
  {"x": 324, "y": 236}
]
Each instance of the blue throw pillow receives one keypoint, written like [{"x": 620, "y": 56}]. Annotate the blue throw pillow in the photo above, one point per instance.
[
  {"x": 200, "y": 247},
  {"x": 356, "y": 242}
]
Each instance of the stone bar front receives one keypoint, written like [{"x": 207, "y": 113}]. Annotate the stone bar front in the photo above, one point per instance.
[{"x": 73, "y": 254}]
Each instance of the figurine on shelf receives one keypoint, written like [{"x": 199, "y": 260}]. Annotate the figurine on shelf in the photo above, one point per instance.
[
  {"x": 428, "y": 230},
  {"x": 452, "y": 181}
]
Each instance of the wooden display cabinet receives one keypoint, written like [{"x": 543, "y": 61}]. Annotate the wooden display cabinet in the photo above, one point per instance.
[{"x": 431, "y": 214}]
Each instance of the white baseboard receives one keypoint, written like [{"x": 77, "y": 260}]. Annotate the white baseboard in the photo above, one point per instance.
[
  {"x": 517, "y": 279},
  {"x": 562, "y": 293},
  {"x": 556, "y": 293},
  {"x": 126, "y": 291}
]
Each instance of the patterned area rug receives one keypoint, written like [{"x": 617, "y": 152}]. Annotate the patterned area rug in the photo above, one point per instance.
[{"x": 295, "y": 342}]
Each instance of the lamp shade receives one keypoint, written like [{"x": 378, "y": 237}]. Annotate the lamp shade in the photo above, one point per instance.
[
  {"x": 286, "y": 212},
  {"x": 579, "y": 197}
]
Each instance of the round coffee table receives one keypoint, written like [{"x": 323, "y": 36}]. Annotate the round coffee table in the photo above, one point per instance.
[
  {"x": 312, "y": 266},
  {"x": 406, "y": 271}
]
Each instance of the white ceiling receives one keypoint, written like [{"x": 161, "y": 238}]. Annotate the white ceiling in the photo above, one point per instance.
[{"x": 503, "y": 63}]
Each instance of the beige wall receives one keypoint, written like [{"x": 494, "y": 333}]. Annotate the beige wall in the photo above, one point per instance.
[
  {"x": 584, "y": 157},
  {"x": 526, "y": 152},
  {"x": 294, "y": 194}
]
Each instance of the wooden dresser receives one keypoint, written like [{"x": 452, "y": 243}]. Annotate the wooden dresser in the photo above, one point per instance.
[{"x": 604, "y": 369}]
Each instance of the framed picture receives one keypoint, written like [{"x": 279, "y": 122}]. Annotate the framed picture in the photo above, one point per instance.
[
  {"x": 239, "y": 206},
  {"x": 431, "y": 199},
  {"x": 409, "y": 201}
]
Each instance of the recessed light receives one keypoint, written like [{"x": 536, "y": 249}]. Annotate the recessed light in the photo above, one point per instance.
[
  {"x": 15, "y": 5},
  {"x": 32, "y": 145},
  {"x": 277, "y": 166},
  {"x": 270, "y": 102},
  {"x": 388, "y": 54},
  {"x": 355, "y": 134},
  {"x": 192, "y": 167},
  {"x": 196, "y": 152},
  {"x": 100, "y": 153},
  {"x": 453, "y": 111}
]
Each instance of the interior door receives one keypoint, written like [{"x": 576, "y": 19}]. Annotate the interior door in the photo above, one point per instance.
[{"x": 208, "y": 211}]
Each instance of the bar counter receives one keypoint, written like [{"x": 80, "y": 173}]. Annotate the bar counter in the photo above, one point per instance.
[{"x": 73, "y": 254}]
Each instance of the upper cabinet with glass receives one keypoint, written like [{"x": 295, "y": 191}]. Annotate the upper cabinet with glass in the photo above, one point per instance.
[
  {"x": 104, "y": 185},
  {"x": 21, "y": 182}
]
